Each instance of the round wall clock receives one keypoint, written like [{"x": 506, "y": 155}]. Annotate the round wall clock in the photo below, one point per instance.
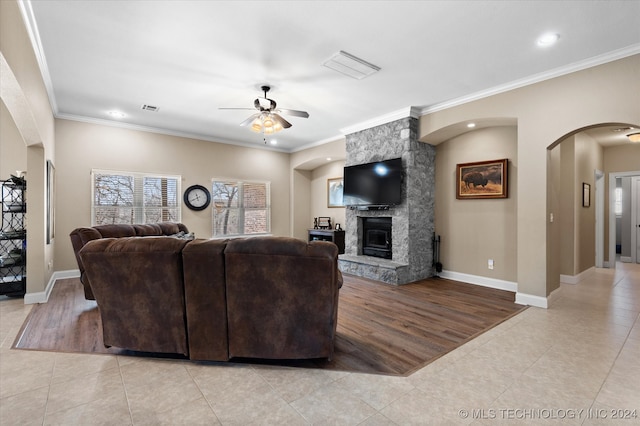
[{"x": 197, "y": 197}]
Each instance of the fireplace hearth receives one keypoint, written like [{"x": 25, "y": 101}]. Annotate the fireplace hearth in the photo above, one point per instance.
[{"x": 377, "y": 237}]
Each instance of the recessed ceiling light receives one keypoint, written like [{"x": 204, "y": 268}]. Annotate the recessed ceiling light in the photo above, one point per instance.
[
  {"x": 471, "y": 125},
  {"x": 328, "y": 158},
  {"x": 548, "y": 39},
  {"x": 116, "y": 114},
  {"x": 273, "y": 142}
]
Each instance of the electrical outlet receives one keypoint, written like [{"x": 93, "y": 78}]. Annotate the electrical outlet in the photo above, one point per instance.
[
  {"x": 551, "y": 217},
  {"x": 490, "y": 263}
]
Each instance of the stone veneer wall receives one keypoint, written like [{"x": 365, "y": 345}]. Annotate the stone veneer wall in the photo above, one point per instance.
[{"x": 412, "y": 220}]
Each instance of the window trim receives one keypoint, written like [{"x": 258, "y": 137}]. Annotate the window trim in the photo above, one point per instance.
[
  {"x": 241, "y": 208},
  {"x": 139, "y": 178},
  {"x": 617, "y": 201}
]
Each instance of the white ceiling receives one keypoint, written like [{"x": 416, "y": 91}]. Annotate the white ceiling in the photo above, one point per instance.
[{"x": 189, "y": 58}]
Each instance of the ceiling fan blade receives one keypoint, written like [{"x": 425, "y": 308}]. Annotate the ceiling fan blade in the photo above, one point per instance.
[
  {"x": 296, "y": 113},
  {"x": 284, "y": 123},
  {"x": 250, "y": 119}
]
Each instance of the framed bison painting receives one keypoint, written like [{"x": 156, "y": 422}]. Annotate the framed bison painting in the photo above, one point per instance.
[{"x": 483, "y": 179}]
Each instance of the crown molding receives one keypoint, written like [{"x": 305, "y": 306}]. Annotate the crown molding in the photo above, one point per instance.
[
  {"x": 614, "y": 55},
  {"x": 317, "y": 143},
  {"x": 162, "y": 131},
  {"x": 32, "y": 30},
  {"x": 412, "y": 112}
]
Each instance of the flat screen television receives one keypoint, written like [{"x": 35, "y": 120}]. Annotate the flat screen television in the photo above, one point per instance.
[{"x": 370, "y": 184}]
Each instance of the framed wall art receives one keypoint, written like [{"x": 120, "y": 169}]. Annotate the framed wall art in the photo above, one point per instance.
[
  {"x": 482, "y": 179},
  {"x": 324, "y": 222},
  {"x": 335, "y": 187},
  {"x": 586, "y": 194},
  {"x": 51, "y": 201}
]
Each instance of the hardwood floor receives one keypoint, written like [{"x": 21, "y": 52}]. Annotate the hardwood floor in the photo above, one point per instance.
[{"x": 382, "y": 329}]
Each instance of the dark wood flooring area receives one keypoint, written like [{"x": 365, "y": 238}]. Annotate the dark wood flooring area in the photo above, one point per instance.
[{"x": 382, "y": 329}]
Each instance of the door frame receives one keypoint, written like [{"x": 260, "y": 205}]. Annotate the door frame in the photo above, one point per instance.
[
  {"x": 611, "y": 263},
  {"x": 599, "y": 199}
]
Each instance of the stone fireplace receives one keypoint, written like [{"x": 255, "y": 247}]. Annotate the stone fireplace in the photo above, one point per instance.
[{"x": 404, "y": 254}]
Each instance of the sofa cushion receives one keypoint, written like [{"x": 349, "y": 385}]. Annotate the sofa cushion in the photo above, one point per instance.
[
  {"x": 205, "y": 297},
  {"x": 147, "y": 230},
  {"x": 115, "y": 231},
  {"x": 170, "y": 228},
  {"x": 282, "y": 297}
]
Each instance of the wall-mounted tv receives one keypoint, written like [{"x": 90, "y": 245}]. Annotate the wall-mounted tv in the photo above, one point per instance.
[{"x": 370, "y": 184}]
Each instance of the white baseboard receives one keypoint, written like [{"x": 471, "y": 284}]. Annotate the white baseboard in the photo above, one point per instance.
[
  {"x": 531, "y": 300},
  {"x": 478, "y": 280},
  {"x": 575, "y": 279},
  {"x": 554, "y": 296},
  {"x": 625, "y": 259},
  {"x": 43, "y": 296}
]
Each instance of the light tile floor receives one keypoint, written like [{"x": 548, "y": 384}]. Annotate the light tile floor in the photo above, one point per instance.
[{"x": 577, "y": 362}]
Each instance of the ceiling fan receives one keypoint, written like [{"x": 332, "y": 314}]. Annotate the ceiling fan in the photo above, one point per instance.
[{"x": 268, "y": 119}]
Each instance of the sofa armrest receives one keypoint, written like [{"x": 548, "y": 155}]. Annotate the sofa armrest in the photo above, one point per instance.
[{"x": 138, "y": 286}]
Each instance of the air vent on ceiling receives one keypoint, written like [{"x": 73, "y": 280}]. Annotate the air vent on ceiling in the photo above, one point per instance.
[
  {"x": 150, "y": 108},
  {"x": 348, "y": 64}
]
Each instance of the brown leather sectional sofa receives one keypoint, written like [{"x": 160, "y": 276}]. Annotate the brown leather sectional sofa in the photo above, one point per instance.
[{"x": 262, "y": 297}]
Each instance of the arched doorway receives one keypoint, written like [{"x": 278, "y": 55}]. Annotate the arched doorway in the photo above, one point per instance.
[{"x": 581, "y": 232}]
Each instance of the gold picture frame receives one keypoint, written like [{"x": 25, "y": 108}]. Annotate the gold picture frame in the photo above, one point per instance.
[{"x": 482, "y": 179}]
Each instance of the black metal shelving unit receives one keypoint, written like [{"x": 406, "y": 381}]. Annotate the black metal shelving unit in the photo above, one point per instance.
[{"x": 13, "y": 237}]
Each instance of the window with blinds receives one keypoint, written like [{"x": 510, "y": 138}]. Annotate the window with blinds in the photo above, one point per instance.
[
  {"x": 240, "y": 208},
  {"x": 130, "y": 198}
]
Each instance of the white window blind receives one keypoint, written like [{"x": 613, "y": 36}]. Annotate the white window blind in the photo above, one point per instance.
[
  {"x": 131, "y": 197},
  {"x": 240, "y": 208},
  {"x": 618, "y": 202}
]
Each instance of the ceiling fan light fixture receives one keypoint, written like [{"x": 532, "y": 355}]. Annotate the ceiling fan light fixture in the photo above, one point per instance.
[
  {"x": 265, "y": 124},
  {"x": 634, "y": 137}
]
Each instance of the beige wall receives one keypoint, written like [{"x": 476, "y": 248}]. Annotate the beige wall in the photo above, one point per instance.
[
  {"x": 473, "y": 231},
  {"x": 588, "y": 159},
  {"x": 25, "y": 97},
  {"x": 13, "y": 151},
  {"x": 566, "y": 215},
  {"x": 319, "y": 194},
  {"x": 580, "y": 156},
  {"x": 82, "y": 147},
  {"x": 301, "y": 207},
  {"x": 554, "y": 229},
  {"x": 546, "y": 112},
  {"x": 621, "y": 158},
  {"x": 302, "y": 164}
]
